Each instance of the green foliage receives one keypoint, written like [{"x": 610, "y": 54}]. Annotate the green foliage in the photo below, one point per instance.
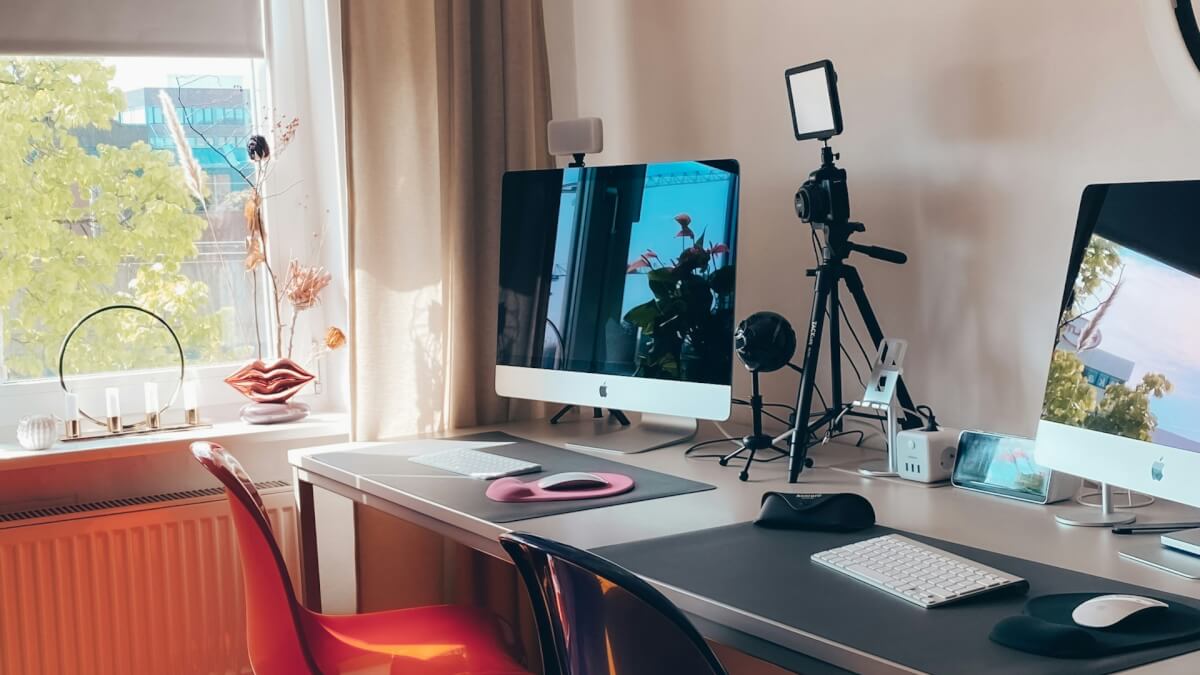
[
  {"x": 1100, "y": 261},
  {"x": 1069, "y": 398},
  {"x": 1125, "y": 411},
  {"x": 74, "y": 226}
]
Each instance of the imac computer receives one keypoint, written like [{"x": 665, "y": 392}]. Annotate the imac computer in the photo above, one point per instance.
[
  {"x": 617, "y": 291},
  {"x": 1122, "y": 401}
]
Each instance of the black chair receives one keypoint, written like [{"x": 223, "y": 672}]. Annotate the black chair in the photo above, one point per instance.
[{"x": 594, "y": 617}]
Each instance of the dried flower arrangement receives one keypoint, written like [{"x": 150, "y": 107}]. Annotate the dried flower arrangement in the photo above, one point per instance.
[{"x": 300, "y": 287}]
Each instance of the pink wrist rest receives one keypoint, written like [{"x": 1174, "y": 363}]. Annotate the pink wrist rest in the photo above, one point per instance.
[{"x": 513, "y": 489}]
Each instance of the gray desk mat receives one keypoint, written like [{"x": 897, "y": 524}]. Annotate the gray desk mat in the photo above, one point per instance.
[
  {"x": 768, "y": 573},
  {"x": 466, "y": 495}
]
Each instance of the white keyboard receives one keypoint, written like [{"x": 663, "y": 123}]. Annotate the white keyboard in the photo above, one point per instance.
[
  {"x": 908, "y": 569},
  {"x": 476, "y": 464}
]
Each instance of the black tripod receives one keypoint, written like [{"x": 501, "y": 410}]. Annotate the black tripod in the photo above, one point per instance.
[
  {"x": 830, "y": 273},
  {"x": 757, "y": 440}
]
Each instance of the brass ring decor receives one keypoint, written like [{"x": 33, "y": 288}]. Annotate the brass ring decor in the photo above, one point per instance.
[{"x": 62, "y": 354}]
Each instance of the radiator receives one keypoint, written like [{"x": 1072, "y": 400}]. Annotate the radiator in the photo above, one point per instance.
[{"x": 144, "y": 585}]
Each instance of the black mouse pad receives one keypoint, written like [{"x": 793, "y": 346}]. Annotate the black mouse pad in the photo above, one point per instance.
[
  {"x": 1047, "y": 627},
  {"x": 467, "y": 495},
  {"x": 768, "y": 573}
]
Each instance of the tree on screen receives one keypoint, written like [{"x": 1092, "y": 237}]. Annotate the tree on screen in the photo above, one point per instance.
[
  {"x": 81, "y": 230},
  {"x": 1125, "y": 411},
  {"x": 1069, "y": 398}
]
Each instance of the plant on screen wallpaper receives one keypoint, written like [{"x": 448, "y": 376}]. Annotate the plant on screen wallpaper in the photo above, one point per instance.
[{"x": 684, "y": 328}]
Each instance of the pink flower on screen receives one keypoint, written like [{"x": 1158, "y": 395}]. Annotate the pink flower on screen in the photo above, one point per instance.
[
  {"x": 640, "y": 263},
  {"x": 684, "y": 221},
  {"x": 719, "y": 248}
]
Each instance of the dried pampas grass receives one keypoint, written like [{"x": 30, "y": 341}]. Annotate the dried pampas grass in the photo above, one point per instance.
[{"x": 193, "y": 176}]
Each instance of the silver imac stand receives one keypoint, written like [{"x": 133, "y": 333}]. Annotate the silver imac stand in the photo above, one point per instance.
[
  {"x": 1088, "y": 516},
  {"x": 651, "y": 432}
]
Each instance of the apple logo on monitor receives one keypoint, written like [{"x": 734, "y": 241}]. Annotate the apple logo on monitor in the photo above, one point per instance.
[
  {"x": 1156, "y": 469},
  {"x": 604, "y": 390}
]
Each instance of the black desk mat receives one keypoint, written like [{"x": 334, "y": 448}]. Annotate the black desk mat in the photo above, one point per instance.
[
  {"x": 768, "y": 573},
  {"x": 467, "y": 494}
]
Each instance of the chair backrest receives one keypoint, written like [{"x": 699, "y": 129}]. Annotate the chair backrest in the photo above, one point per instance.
[
  {"x": 595, "y": 617},
  {"x": 274, "y": 623}
]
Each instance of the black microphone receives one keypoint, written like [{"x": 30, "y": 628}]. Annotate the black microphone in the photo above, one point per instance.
[{"x": 765, "y": 341}]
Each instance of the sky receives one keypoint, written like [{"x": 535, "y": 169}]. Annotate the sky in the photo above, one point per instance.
[
  {"x": 1154, "y": 322},
  {"x": 138, "y": 72}
]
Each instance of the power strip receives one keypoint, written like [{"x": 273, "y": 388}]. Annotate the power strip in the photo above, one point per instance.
[{"x": 926, "y": 456}]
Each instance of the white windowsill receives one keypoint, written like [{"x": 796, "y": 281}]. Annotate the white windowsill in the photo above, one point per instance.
[{"x": 317, "y": 426}]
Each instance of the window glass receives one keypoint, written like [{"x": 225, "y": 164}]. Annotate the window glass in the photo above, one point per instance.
[{"x": 96, "y": 212}]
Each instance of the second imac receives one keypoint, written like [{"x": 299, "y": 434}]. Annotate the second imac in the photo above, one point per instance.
[
  {"x": 1122, "y": 393},
  {"x": 617, "y": 291}
]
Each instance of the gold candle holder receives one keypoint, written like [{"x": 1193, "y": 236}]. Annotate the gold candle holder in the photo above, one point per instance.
[
  {"x": 114, "y": 425},
  {"x": 152, "y": 420},
  {"x": 193, "y": 416},
  {"x": 72, "y": 428}
]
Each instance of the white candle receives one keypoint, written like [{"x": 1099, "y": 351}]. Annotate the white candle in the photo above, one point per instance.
[
  {"x": 189, "y": 396},
  {"x": 112, "y": 401},
  {"x": 151, "y": 394},
  {"x": 71, "y": 407}
]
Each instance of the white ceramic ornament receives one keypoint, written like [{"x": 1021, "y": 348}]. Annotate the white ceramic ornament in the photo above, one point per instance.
[{"x": 37, "y": 432}]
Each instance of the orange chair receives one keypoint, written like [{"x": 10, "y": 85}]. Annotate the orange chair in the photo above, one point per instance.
[{"x": 286, "y": 638}]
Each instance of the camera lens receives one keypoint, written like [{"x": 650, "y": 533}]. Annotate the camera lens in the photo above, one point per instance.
[{"x": 809, "y": 202}]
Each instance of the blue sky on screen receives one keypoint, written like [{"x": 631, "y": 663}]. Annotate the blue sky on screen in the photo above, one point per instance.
[{"x": 1154, "y": 322}]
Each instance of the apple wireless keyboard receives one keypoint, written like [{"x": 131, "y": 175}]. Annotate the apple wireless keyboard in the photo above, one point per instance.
[
  {"x": 476, "y": 464},
  {"x": 916, "y": 572}
]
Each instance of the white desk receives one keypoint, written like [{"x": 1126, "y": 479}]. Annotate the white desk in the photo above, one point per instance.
[{"x": 1023, "y": 530}]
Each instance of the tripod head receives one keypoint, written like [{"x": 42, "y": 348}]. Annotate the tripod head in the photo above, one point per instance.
[{"x": 823, "y": 201}]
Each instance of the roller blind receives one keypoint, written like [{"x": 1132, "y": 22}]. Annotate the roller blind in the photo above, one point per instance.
[{"x": 132, "y": 27}]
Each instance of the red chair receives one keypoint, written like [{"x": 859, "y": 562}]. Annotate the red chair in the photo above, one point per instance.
[{"x": 286, "y": 638}]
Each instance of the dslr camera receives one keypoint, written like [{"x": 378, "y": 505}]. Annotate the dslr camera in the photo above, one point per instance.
[{"x": 823, "y": 199}]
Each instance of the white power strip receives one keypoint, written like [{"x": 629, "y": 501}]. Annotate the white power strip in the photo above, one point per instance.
[{"x": 926, "y": 456}]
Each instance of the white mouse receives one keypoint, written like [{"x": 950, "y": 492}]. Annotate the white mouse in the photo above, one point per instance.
[
  {"x": 1109, "y": 610},
  {"x": 572, "y": 480}
]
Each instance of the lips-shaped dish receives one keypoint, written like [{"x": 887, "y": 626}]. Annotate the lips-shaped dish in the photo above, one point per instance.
[{"x": 274, "y": 383}]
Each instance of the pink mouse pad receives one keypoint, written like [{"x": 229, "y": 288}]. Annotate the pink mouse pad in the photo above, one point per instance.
[{"x": 515, "y": 490}]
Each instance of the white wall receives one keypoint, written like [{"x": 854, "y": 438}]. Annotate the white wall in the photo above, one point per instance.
[{"x": 971, "y": 128}]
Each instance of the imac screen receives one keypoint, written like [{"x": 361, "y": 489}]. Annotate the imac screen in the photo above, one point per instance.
[
  {"x": 620, "y": 270},
  {"x": 1127, "y": 358}
]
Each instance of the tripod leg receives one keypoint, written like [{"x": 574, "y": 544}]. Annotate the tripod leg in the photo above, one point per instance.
[
  {"x": 855, "y": 285},
  {"x": 619, "y": 416},
  {"x": 559, "y": 415},
  {"x": 798, "y": 447},
  {"x": 835, "y": 352},
  {"x": 745, "y": 474},
  {"x": 724, "y": 461}
]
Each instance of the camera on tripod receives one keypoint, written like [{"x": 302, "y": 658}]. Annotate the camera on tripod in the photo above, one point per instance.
[{"x": 823, "y": 199}]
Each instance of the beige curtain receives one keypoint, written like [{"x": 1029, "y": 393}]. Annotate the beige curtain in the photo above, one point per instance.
[{"x": 442, "y": 97}]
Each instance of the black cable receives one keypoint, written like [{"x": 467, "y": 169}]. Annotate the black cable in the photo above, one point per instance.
[{"x": 701, "y": 444}]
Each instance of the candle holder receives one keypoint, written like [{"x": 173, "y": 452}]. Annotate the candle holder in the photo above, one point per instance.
[{"x": 113, "y": 425}]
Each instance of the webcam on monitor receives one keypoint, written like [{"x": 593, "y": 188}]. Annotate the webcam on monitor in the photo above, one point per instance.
[{"x": 813, "y": 97}]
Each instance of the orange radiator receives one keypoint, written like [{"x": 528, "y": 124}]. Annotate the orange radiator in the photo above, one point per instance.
[{"x": 146, "y": 585}]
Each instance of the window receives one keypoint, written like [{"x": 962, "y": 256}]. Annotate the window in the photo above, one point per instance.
[{"x": 77, "y": 234}]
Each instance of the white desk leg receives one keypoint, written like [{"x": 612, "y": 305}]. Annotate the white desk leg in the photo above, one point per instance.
[{"x": 310, "y": 575}]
